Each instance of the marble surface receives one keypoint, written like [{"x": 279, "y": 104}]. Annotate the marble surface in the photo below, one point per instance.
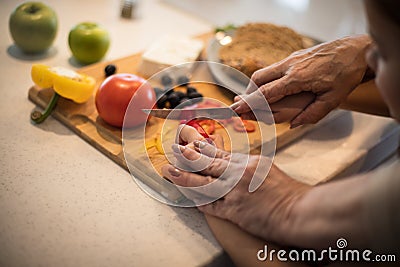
[{"x": 62, "y": 203}]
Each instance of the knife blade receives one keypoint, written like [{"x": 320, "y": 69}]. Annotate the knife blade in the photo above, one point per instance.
[{"x": 185, "y": 114}]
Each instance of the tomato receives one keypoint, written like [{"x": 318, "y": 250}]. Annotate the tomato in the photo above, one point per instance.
[
  {"x": 241, "y": 125},
  {"x": 115, "y": 94},
  {"x": 195, "y": 124},
  {"x": 208, "y": 126}
]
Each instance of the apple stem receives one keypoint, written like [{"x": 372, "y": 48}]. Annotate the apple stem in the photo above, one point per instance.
[
  {"x": 33, "y": 9},
  {"x": 38, "y": 117}
]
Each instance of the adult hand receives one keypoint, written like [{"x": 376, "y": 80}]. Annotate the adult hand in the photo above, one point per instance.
[
  {"x": 330, "y": 71},
  {"x": 266, "y": 212}
]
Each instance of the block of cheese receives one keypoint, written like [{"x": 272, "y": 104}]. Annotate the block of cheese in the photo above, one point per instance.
[{"x": 167, "y": 52}]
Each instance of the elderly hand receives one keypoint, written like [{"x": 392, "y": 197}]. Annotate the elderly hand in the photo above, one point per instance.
[
  {"x": 265, "y": 212},
  {"x": 330, "y": 71}
]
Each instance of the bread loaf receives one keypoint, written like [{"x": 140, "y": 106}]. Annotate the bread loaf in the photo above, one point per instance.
[{"x": 257, "y": 45}]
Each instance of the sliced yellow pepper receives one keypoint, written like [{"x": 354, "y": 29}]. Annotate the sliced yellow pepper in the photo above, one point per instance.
[
  {"x": 159, "y": 144},
  {"x": 65, "y": 82}
]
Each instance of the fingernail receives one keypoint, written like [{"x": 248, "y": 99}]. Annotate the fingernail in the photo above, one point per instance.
[
  {"x": 178, "y": 148},
  {"x": 294, "y": 125},
  {"x": 199, "y": 144},
  {"x": 234, "y": 105},
  {"x": 174, "y": 171}
]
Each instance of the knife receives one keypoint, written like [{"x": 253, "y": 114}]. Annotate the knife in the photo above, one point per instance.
[{"x": 195, "y": 113}]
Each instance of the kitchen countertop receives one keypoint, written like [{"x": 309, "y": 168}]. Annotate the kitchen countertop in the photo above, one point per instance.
[{"x": 62, "y": 203}]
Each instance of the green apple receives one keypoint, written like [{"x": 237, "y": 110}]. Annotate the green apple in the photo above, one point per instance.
[
  {"x": 88, "y": 42},
  {"x": 33, "y": 27}
]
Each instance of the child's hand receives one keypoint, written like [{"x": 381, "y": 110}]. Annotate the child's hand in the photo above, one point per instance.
[{"x": 186, "y": 135}]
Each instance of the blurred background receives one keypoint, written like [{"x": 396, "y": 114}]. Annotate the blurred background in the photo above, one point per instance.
[{"x": 322, "y": 19}]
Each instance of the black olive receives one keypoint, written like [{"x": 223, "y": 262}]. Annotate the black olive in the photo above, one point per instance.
[
  {"x": 190, "y": 90},
  {"x": 180, "y": 94},
  {"x": 162, "y": 101},
  {"x": 185, "y": 102},
  {"x": 169, "y": 91},
  {"x": 194, "y": 95},
  {"x": 110, "y": 70},
  {"x": 158, "y": 91},
  {"x": 166, "y": 80},
  {"x": 182, "y": 80},
  {"x": 173, "y": 99}
]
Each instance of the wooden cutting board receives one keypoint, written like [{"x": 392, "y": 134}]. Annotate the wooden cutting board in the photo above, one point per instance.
[{"x": 85, "y": 122}]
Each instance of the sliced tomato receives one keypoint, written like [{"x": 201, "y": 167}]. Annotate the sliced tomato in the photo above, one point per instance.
[
  {"x": 195, "y": 124},
  {"x": 243, "y": 126},
  {"x": 208, "y": 126}
]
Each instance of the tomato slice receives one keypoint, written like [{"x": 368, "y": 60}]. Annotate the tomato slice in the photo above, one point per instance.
[
  {"x": 241, "y": 125},
  {"x": 208, "y": 126},
  {"x": 195, "y": 124}
]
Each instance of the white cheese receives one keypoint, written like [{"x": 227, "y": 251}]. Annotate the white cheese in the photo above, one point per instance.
[{"x": 169, "y": 51}]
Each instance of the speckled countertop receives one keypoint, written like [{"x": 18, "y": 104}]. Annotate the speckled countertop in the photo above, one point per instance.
[{"x": 62, "y": 203}]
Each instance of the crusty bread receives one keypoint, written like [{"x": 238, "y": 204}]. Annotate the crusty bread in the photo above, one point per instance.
[{"x": 257, "y": 45}]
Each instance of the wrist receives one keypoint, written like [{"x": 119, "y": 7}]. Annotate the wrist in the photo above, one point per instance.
[{"x": 328, "y": 212}]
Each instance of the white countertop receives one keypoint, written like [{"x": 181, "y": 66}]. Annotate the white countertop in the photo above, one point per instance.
[{"x": 63, "y": 203}]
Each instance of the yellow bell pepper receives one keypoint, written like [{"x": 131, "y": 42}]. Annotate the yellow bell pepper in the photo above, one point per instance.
[{"x": 65, "y": 82}]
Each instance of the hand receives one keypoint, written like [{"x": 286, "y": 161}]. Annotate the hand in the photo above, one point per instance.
[
  {"x": 281, "y": 111},
  {"x": 330, "y": 71},
  {"x": 265, "y": 212},
  {"x": 186, "y": 135}
]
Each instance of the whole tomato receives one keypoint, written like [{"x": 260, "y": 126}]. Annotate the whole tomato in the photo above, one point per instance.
[{"x": 115, "y": 94}]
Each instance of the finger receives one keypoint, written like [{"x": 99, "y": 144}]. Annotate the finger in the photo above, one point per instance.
[
  {"x": 255, "y": 100},
  {"x": 259, "y": 115},
  {"x": 218, "y": 141},
  {"x": 289, "y": 107},
  {"x": 199, "y": 162},
  {"x": 313, "y": 113},
  {"x": 278, "y": 89},
  {"x": 198, "y": 188},
  {"x": 182, "y": 178},
  {"x": 187, "y": 134},
  {"x": 237, "y": 98},
  {"x": 190, "y": 160},
  {"x": 248, "y": 116},
  {"x": 210, "y": 150},
  {"x": 266, "y": 75}
]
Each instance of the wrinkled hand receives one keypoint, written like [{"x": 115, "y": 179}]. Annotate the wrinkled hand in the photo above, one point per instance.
[
  {"x": 284, "y": 110},
  {"x": 265, "y": 212},
  {"x": 330, "y": 71}
]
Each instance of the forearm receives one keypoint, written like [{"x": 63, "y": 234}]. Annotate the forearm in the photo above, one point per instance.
[
  {"x": 367, "y": 99},
  {"x": 328, "y": 212}
]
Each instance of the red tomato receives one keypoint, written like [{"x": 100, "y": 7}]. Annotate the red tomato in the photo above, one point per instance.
[
  {"x": 195, "y": 124},
  {"x": 114, "y": 95},
  {"x": 208, "y": 126},
  {"x": 243, "y": 126}
]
